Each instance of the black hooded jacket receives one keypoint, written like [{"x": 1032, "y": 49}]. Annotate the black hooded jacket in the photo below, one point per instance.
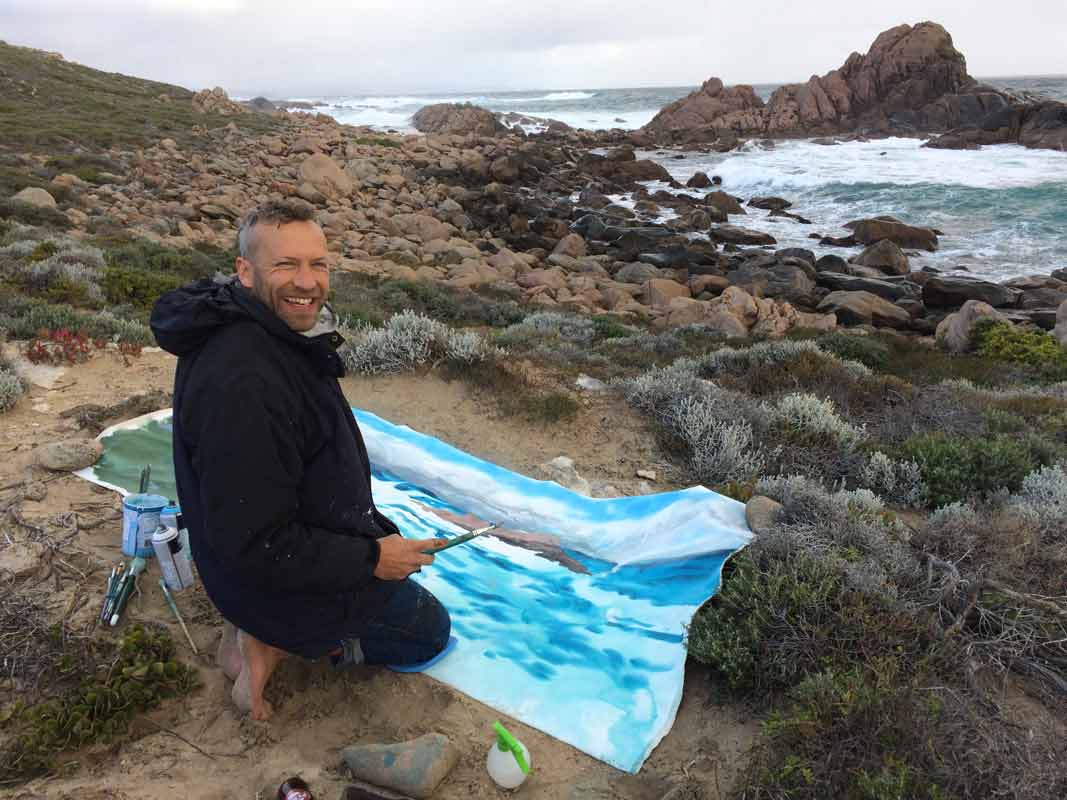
[{"x": 272, "y": 473}]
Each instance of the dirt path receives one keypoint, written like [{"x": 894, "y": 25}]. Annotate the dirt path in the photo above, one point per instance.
[{"x": 319, "y": 711}]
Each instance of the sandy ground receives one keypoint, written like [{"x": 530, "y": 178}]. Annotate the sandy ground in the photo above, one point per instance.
[{"x": 320, "y": 711}]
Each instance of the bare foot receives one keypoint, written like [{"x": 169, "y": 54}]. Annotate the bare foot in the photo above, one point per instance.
[
  {"x": 258, "y": 661},
  {"x": 229, "y": 655}
]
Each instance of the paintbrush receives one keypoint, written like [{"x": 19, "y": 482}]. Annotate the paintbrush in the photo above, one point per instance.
[
  {"x": 107, "y": 594},
  {"x": 146, "y": 474},
  {"x": 129, "y": 581},
  {"x": 177, "y": 614},
  {"x": 112, "y": 592}
]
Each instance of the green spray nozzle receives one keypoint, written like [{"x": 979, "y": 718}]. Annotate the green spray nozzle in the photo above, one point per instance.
[{"x": 505, "y": 741}]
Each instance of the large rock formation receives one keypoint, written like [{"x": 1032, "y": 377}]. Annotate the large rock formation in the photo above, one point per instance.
[
  {"x": 461, "y": 118},
  {"x": 911, "y": 80}
]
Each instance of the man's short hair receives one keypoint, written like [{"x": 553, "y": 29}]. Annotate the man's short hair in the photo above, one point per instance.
[{"x": 273, "y": 212}]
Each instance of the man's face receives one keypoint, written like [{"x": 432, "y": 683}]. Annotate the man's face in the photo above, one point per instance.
[{"x": 288, "y": 271}]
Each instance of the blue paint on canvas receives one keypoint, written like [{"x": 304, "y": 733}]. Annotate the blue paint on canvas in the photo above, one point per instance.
[{"x": 574, "y": 620}]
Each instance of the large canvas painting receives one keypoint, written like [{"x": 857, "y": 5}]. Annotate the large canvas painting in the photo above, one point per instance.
[{"x": 570, "y": 617}]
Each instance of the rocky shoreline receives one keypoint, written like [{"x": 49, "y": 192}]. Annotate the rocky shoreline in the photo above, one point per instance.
[{"x": 475, "y": 205}]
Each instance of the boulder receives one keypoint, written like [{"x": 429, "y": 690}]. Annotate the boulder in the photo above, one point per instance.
[
  {"x": 69, "y": 455},
  {"x": 35, "y": 197},
  {"x": 457, "y": 118},
  {"x": 216, "y": 101},
  {"x": 770, "y": 203},
  {"x": 864, "y": 308},
  {"x": 783, "y": 281},
  {"x": 637, "y": 272},
  {"x": 732, "y": 234},
  {"x": 737, "y": 303},
  {"x": 625, "y": 172},
  {"x": 954, "y": 332},
  {"x": 1060, "y": 331},
  {"x": 726, "y": 203},
  {"x": 659, "y": 291},
  {"x": 894, "y": 86},
  {"x": 952, "y": 291},
  {"x": 890, "y": 290},
  {"x": 700, "y": 180},
  {"x": 413, "y": 768},
  {"x": 702, "y": 114},
  {"x": 571, "y": 245},
  {"x": 761, "y": 513},
  {"x": 871, "y": 231},
  {"x": 711, "y": 284},
  {"x": 684, "y": 311},
  {"x": 796, "y": 252},
  {"x": 884, "y": 256},
  {"x": 831, "y": 263},
  {"x": 326, "y": 176},
  {"x": 504, "y": 169},
  {"x": 425, "y": 227}
]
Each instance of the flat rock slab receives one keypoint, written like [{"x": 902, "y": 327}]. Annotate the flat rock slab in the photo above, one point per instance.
[
  {"x": 69, "y": 455},
  {"x": 414, "y": 768}
]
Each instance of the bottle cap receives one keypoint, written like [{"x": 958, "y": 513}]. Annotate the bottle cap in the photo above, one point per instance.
[{"x": 505, "y": 741}]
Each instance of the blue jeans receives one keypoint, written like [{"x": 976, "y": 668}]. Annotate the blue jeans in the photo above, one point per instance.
[{"x": 408, "y": 626}]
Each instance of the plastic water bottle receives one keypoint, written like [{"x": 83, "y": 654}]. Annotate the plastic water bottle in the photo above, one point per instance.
[{"x": 508, "y": 761}]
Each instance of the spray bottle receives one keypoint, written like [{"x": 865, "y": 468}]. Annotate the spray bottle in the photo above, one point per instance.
[{"x": 508, "y": 761}]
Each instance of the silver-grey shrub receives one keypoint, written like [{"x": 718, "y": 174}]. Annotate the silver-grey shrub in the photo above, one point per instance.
[
  {"x": 807, "y": 414},
  {"x": 409, "y": 340},
  {"x": 1043, "y": 498},
  {"x": 728, "y": 360},
  {"x": 720, "y": 429},
  {"x": 11, "y": 389},
  {"x": 548, "y": 325},
  {"x": 897, "y": 481},
  {"x": 849, "y": 530}
]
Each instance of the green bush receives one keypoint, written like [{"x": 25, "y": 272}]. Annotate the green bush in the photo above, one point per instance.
[
  {"x": 776, "y": 619},
  {"x": 24, "y": 317},
  {"x": 29, "y": 214},
  {"x": 955, "y": 468},
  {"x": 606, "y": 327},
  {"x": 377, "y": 141},
  {"x": 137, "y": 287},
  {"x": 139, "y": 677},
  {"x": 187, "y": 264},
  {"x": 11, "y": 388},
  {"x": 866, "y": 350},
  {"x": 1005, "y": 342},
  {"x": 862, "y": 733}
]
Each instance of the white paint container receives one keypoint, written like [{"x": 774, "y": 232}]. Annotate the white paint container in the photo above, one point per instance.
[{"x": 173, "y": 557}]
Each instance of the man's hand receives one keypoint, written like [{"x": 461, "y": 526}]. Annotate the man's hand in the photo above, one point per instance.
[{"x": 399, "y": 557}]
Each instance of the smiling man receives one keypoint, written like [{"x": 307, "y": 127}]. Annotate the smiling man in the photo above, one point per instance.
[{"x": 272, "y": 473}]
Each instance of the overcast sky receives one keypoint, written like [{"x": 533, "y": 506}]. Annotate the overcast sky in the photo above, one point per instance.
[{"x": 333, "y": 47}]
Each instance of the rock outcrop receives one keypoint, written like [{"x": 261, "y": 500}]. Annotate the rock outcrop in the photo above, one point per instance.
[
  {"x": 460, "y": 118},
  {"x": 911, "y": 80},
  {"x": 216, "y": 101}
]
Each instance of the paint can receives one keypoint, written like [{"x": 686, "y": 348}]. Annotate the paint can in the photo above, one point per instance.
[
  {"x": 140, "y": 518},
  {"x": 173, "y": 558}
]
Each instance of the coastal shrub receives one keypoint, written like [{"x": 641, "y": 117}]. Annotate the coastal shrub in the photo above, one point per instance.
[
  {"x": 720, "y": 450},
  {"x": 24, "y": 317},
  {"x": 1043, "y": 495},
  {"x": 719, "y": 430},
  {"x": 897, "y": 481},
  {"x": 17, "y": 211},
  {"x": 866, "y": 350},
  {"x": 409, "y": 340},
  {"x": 188, "y": 264},
  {"x": 11, "y": 388},
  {"x": 113, "y": 689},
  {"x": 1006, "y": 342},
  {"x": 807, "y": 417},
  {"x": 137, "y": 287},
  {"x": 606, "y": 327},
  {"x": 549, "y": 325},
  {"x": 956, "y": 468},
  {"x": 849, "y": 531}
]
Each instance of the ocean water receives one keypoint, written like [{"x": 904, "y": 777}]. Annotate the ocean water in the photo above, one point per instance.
[
  {"x": 581, "y": 108},
  {"x": 1003, "y": 209}
]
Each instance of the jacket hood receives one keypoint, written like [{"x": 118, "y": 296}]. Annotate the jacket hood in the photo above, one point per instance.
[{"x": 184, "y": 319}]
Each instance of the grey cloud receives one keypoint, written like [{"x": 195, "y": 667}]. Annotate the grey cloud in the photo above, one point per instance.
[{"x": 426, "y": 45}]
